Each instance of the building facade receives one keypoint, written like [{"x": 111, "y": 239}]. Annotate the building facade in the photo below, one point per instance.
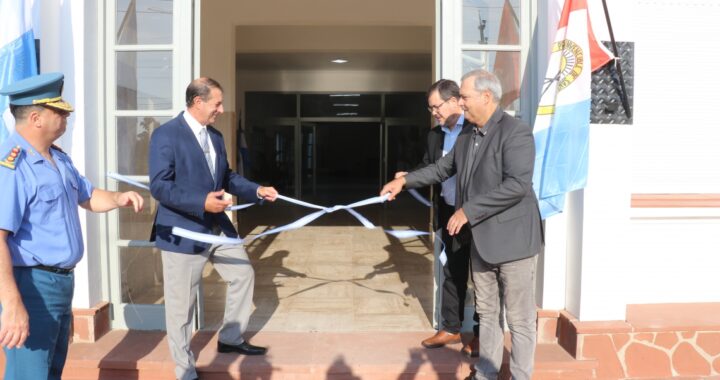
[{"x": 643, "y": 231}]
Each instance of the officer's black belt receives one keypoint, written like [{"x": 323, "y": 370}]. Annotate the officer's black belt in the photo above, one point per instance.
[{"x": 54, "y": 269}]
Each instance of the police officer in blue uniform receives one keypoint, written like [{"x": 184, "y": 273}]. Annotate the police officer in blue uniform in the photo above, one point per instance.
[{"x": 40, "y": 235}]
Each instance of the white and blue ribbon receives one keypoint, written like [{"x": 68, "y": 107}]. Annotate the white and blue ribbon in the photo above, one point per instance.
[
  {"x": 419, "y": 197},
  {"x": 128, "y": 180},
  {"x": 307, "y": 219}
]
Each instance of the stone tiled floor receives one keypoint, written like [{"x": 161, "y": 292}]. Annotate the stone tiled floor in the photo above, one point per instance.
[
  {"x": 335, "y": 275},
  {"x": 141, "y": 355}
]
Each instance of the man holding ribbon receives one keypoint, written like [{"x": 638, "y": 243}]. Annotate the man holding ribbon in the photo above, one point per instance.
[
  {"x": 493, "y": 161},
  {"x": 189, "y": 174},
  {"x": 443, "y": 99},
  {"x": 40, "y": 234}
]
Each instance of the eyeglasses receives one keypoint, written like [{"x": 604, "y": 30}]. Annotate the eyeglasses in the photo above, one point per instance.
[{"x": 432, "y": 109}]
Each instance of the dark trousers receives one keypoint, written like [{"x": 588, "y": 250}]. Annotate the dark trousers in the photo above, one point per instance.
[
  {"x": 456, "y": 271},
  {"x": 48, "y": 300}
]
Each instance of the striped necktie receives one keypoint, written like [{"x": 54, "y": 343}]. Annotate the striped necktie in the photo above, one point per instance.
[{"x": 204, "y": 144}]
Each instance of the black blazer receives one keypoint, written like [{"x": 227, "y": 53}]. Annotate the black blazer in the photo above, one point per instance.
[{"x": 433, "y": 152}]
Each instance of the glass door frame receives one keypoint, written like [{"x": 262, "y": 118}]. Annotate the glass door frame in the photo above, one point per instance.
[
  {"x": 449, "y": 49},
  {"x": 184, "y": 61}
]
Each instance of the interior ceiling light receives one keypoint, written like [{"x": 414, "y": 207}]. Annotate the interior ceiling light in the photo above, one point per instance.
[{"x": 339, "y": 60}]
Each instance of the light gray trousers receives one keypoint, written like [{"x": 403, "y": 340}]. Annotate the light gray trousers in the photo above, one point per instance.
[
  {"x": 517, "y": 281},
  {"x": 182, "y": 274}
]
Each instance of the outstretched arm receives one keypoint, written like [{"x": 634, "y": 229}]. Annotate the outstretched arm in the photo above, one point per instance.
[{"x": 103, "y": 200}]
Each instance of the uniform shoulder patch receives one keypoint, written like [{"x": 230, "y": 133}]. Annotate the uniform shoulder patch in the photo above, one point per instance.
[{"x": 10, "y": 159}]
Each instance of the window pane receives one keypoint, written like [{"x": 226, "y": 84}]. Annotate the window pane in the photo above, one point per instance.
[
  {"x": 143, "y": 22},
  {"x": 133, "y": 137},
  {"x": 141, "y": 275},
  {"x": 506, "y": 65},
  {"x": 144, "y": 80},
  {"x": 405, "y": 148},
  {"x": 493, "y": 22},
  {"x": 272, "y": 156},
  {"x": 132, "y": 226}
]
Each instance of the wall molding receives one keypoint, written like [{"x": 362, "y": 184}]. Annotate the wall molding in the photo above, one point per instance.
[{"x": 677, "y": 200}]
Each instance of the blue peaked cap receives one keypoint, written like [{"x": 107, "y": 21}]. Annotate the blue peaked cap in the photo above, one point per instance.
[{"x": 40, "y": 90}]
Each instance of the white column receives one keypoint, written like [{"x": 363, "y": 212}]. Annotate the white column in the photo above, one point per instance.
[
  {"x": 68, "y": 44},
  {"x": 598, "y": 290}
]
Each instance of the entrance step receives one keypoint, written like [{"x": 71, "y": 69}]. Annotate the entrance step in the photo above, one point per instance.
[{"x": 141, "y": 355}]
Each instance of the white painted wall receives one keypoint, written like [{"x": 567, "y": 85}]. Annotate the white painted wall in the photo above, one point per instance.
[
  {"x": 68, "y": 45},
  {"x": 673, "y": 256},
  {"x": 615, "y": 255},
  {"x": 676, "y": 134}
]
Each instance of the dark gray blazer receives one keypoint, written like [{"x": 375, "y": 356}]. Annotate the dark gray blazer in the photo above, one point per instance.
[{"x": 498, "y": 198}]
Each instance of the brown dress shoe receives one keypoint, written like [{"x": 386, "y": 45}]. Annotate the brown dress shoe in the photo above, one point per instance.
[
  {"x": 472, "y": 348},
  {"x": 440, "y": 339}
]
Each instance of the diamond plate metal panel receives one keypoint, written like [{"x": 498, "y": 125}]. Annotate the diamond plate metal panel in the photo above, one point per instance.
[{"x": 606, "y": 100}]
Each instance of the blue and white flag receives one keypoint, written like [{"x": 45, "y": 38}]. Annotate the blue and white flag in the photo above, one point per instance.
[
  {"x": 17, "y": 52},
  {"x": 562, "y": 125}
]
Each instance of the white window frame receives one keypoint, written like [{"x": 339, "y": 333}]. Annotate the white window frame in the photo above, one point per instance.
[
  {"x": 451, "y": 48},
  {"x": 185, "y": 44}
]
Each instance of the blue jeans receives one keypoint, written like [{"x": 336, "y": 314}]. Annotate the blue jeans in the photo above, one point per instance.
[{"x": 48, "y": 300}]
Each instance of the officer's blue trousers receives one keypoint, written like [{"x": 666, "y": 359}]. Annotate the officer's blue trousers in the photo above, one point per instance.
[{"x": 48, "y": 299}]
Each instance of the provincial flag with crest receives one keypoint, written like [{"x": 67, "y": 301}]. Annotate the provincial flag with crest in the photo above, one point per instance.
[{"x": 562, "y": 125}]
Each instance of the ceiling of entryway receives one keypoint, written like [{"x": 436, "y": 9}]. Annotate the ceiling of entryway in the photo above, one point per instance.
[{"x": 307, "y": 35}]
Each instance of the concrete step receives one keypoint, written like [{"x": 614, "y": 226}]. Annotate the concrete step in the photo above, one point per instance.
[{"x": 144, "y": 355}]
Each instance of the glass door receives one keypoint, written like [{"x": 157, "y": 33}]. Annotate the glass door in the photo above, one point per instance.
[
  {"x": 147, "y": 69},
  {"x": 308, "y": 158},
  {"x": 340, "y": 161},
  {"x": 494, "y": 35}
]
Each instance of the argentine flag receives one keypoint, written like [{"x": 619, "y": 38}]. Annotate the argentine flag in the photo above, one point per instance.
[
  {"x": 562, "y": 125},
  {"x": 17, "y": 52}
]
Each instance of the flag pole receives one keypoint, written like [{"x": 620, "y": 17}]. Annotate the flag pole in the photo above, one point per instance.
[{"x": 623, "y": 96}]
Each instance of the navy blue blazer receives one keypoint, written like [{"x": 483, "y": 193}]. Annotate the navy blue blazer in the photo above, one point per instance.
[{"x": 180, "y": 180}]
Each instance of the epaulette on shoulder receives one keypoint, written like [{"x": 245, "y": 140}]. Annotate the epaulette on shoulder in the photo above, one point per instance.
[{"x": 11, "y": 158}]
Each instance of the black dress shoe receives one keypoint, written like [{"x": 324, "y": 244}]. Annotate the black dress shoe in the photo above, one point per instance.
[{"x": 244, "y": 348}]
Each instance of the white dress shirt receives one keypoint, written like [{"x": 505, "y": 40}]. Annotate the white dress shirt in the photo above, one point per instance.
[{"x": 196, "y": 128}]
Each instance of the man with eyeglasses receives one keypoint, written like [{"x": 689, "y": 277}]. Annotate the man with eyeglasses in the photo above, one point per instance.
[
  {"x": 494, "y": 162},
  {"x": 443, "y": 97}
]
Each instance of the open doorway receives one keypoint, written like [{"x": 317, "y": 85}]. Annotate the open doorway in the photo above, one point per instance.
[{"x": 331, "y": 133}]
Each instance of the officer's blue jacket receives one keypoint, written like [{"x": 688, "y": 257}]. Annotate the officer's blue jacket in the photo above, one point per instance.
[{"x": 39, "y": 205}]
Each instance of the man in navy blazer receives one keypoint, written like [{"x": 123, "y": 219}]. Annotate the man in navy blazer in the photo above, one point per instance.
[{"x": 189, "y": 174}]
